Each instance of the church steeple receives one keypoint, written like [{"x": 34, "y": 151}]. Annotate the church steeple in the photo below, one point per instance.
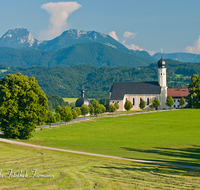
[{"x": 162, "y": 80}]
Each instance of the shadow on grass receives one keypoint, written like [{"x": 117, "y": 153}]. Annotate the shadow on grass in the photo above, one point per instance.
[
  {"x": 183, "y": 156},
  {"x": 155, "y": 170}
]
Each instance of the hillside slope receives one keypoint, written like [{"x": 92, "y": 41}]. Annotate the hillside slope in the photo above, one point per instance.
[{"x": 94, "y": 54}]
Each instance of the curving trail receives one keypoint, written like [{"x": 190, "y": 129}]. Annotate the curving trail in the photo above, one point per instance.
[{"x": 98, "y": 155}]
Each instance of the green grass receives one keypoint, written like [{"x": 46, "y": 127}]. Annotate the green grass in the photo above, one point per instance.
[
  {"x": 172, "y": 136},
  {"x": 70, "y": 100},
  {"x": 73, "y": 171}
]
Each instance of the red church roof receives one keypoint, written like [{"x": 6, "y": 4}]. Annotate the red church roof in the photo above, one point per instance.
[{"x": 177, "y": 92}]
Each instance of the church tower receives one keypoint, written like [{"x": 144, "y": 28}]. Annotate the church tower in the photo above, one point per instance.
[{"x": 162, "y": 80}]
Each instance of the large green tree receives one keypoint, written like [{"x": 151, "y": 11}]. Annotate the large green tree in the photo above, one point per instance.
[
  {"x": 23, "y": 106},
  {"x": 170, "y": 102},
  {"x": 194, "y": 90}
]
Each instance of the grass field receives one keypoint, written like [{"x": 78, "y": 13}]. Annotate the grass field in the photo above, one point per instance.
[
  {"x": 73, "y": 171},
  {"x": 172, "y": 136},
  {"x": 70, "y": 100}
]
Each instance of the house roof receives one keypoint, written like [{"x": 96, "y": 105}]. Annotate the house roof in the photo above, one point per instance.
[
  {"x": 177, "y": 92},
  {"x": 119, "y": 89}
]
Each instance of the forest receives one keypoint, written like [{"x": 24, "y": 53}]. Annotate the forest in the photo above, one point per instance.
[{"x": 97, "y": 81}]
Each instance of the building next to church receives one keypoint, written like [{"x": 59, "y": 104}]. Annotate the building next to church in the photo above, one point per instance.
[
  {"x": 135, "y": 91},
  {"x": 177, "y": 94}
]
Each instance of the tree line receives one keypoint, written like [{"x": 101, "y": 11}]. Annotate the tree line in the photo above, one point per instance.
[{"x": 68, "y": 81}]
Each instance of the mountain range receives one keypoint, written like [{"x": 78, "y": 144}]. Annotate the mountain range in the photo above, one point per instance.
[
  {"x": 74, "y": 47},
  {"x": 21, "y": 38}
]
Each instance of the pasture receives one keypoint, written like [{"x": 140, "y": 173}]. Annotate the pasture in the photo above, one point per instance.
[
  {"x": 72, "y": 171},
  {"x": 171, "y": 136}
]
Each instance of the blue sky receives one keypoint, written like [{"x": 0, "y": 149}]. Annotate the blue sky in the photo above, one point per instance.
[{"x": 173, "y": 25}]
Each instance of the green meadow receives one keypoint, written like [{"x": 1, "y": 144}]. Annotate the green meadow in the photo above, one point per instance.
[
  {"x": 169, "y": 136},
  {"x": 72, "y": 171}
]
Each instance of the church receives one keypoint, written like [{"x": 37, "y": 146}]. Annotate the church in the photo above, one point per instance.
[{"x": 135, "y": 91}]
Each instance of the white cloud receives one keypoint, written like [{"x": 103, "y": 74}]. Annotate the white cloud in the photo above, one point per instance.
[
  {"x": 59, "y": 13},
  {"x": 195, "y": 48},
  {"x": 134, "y": 47},
  {"x": 113, "y": 35},
  {"x": 128, "y": 34}
]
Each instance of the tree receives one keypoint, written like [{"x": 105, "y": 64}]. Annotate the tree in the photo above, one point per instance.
[
  {"x": 116, "y": 105},
  {"x": 84, "y": 110},
  {"x": 74, "y": 113},
  {"x": 58, "y": 117},
  {"x": 170, "y": 102},
  {"x": 142, "y": 104},
  {"x": 68, "y": 117},
  {"x": 102, "y": 108},
  {"x": 58, "y": 109},
  {"x": 50, "y": 118},
  {"x": 78, "y": 111},
  {"x": 91, "y": 109},
  {"x": 128, "y": 105},
  {"x": 97, "y": 108},
  {"x": 23, "y": 106},
  {"x": 155, "y": 103},
  {"x": 64, "y": 114},
  {"x": 194, "y": 90},
  {"x": 182, "y": 102},
  {"x": 112, "y": 108}
]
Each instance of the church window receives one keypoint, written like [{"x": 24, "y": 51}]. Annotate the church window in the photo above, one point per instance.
[
  {"x": 147, "y": 101},
  {"x": 133, "y": 101}
]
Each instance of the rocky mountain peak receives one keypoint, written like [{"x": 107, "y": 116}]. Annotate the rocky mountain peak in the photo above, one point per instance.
[{"x": 17, "y": 38}]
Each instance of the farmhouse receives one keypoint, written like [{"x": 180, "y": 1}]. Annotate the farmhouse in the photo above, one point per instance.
[
  {"x": 177, "y": 94},
  {"x": 135, "y": 91}
]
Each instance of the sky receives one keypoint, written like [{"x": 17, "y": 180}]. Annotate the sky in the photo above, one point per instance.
[{"x": 150, "y": 25}]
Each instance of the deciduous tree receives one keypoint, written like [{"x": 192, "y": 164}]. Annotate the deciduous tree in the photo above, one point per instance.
[
  {"x": 170, "y": 102},
  {"x": 23, "y": 105},
  {"x": 128, "y": 105},
  {"x": 142, "y": 104},
  {"x": 91, "y": 110},
  {"x": 50, "y": 118},
  {"x": 155, "y": 103},
  {"x": 194, "y": 90},
  {"x": 116, "y": 105},
  {"x": 84, "y": 110},
  {"x": 112, "y": 108},
  {"x": 182, "y": 102}
]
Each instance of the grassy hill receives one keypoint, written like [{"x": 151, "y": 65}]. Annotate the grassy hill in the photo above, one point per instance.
[
  {"x": 73, "y": 171},
  {"x": 161, "y": 136}
]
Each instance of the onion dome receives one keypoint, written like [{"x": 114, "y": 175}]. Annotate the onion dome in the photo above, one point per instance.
[
  {"x": 161, "y": 63},
  {"x": 82, "y": 100}
]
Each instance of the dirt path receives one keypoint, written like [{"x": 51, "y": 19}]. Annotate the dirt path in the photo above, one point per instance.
[{"x": 98, "y": 155}]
